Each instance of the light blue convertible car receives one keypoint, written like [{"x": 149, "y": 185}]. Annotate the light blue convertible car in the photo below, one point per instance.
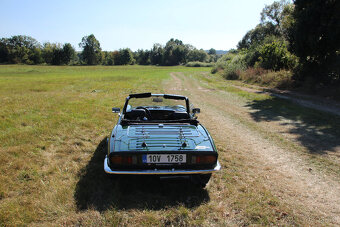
[{"x": 159, "y": 134}]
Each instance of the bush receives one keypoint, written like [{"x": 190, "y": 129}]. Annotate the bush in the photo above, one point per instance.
[
  {"x": 231, "y": 73},
  {"x": 275, "y": 56},
  {"x": 251, "y": 56},
  {"x": 223, "y": 62},
  {"x": 230, "y": 65},
  {"x": 199, "y": 64},
  {"x": 197, "y": 56},
  {"x": 234, "y": 67}
]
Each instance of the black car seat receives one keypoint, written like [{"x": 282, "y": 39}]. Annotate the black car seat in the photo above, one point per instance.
[
  {"x": 179, "y": 115},
  {"x": 135, "y": 114}
]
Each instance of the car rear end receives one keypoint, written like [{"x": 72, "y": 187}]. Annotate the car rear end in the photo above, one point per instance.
[
  {"x": 162, "y": 150},
  {"x": 160, "y": 163}
]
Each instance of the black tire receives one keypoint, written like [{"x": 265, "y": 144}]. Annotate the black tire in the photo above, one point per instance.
[
  {"x": 205, "y": 179},
  {"x": 201, "y": 180},
  {"x": 113, "y": 177}
]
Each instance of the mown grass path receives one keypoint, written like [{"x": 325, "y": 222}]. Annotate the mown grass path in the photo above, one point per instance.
[{"x": 268, "y": 147}]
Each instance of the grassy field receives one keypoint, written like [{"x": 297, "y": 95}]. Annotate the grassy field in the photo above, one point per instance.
[{"x": 54, "y": 122}]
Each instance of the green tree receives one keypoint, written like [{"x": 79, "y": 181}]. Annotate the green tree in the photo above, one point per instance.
[
  {"x": 287, "y": 21},
  {"x": 4, "y": 51},
  {"x": 20, "y": 49},
  {"x": 279, "y": 14},
  {"x": 91, "y": 53},
  {"x": 197, "y": 55},
  {"x": 108, "y": 58},
  {"x": 123, "y": 57},
  {"x": 175, "y": 52},
  {"x": 212, "y": 51},
  {"x": 276, "y": 20},
  {"x": 47, "y": 52},
  {"x": 143, "y": 57},
  {"x": 274, "y": 13},
  {"x": 315, "y": 39},
  {"x": 68, "y": 53},
  {"x": 257, "y": 36},
  {"x": 53, "y": 53},
  {"x": 156, "y": 54},
  {"x": 126, "y": 57},
  {"x": 275, "y": 56},
  {"x": 36, "y": 55},
  {"x": 116, "y": 58},
  {"x": 57, "y": 54}
]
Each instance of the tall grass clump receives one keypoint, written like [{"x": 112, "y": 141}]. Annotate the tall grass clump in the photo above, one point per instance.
[
  {"x": 279, "y": 79},
  {"x": 231, "y": 73}
]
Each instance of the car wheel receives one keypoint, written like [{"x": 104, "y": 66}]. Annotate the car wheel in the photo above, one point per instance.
[
  {"x": 113, "y": 177},
  {"x": 201, "y": 180}
]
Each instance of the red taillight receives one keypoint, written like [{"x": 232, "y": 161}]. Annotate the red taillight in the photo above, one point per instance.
[
  {"x": 121, "y": 159},
  {"x": 206, "y": 159}
]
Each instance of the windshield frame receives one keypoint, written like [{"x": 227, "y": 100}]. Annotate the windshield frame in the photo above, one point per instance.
[{"x": 165, "y": 96}]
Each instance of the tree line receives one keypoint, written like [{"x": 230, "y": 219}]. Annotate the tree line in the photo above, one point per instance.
[
  {"x": 301, "y": 38},
  {"x": 22, "y": 49},
  {"x": 27, "y": 50}
]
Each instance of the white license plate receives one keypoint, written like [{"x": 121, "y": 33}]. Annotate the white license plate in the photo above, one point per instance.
[{"x": 164, "y": 158}]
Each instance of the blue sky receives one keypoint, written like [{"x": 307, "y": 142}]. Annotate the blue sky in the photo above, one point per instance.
[{"x": 136, "y": 24}]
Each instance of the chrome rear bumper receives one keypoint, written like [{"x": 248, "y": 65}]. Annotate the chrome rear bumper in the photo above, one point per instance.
[{"x": 160, "y": 171}]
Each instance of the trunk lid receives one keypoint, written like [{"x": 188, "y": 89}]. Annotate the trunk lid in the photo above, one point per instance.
[{"x": 162, "y": 138}]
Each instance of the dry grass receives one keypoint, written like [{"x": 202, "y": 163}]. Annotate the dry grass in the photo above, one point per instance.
[
  {"x": 52, "y": 120},
  {"x": 281, "y": 79},
  {"x": 277, "y": 140},
  {"x": 54, "y": 123},
  {"x": 311, "y": 132}
]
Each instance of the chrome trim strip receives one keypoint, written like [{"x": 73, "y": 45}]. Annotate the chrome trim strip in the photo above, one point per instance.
[{"x": 159, "y": 172}]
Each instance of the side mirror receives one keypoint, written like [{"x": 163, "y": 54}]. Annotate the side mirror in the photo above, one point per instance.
[
  {"x": 196, "y": 110},
  {"x": 115, "y": 110}
]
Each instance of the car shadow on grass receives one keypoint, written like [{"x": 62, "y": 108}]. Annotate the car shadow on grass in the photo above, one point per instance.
[
  {"x": 96, "y": 190},
  {"x": 317, "y": 131}
]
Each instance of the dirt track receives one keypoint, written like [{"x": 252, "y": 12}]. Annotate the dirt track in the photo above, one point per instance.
[
  {"x": 309, "y": 192},
  {"x": 313, "y": 102}
]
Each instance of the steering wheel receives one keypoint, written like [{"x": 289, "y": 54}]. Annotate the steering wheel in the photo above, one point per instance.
[{"x": 148, "y": 113}]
